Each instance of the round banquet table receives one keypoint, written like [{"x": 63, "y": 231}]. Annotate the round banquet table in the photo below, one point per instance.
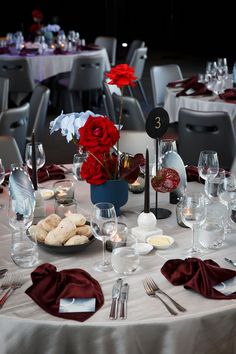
[{"x": 208, "y": 326}]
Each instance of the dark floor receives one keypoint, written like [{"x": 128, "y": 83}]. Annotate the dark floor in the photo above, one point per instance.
[{"x": 59, "y": 151}]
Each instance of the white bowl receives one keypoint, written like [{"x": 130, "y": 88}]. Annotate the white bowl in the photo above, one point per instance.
[
  {"x": 46, "y": 193},
  {"x": 143, "y": 248},
  {"x": 160, "y": 242}
]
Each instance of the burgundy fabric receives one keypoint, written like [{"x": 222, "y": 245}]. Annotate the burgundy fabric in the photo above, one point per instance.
[
  {"x": 60, "y": 51},
  {"x": 196, "y": 88},
  {"x": 193, "y": 175},
  {"x": 49, "y": 286},
  {"x": 198, "y": 275},
  {"x": 49, "y": 172},
  {"x": 1, "y": 190},
  {"x": 229, "y": 95},
  {"x": 4, "y": 50},
  {"x": 32, "y": 51},
  {"x": 183, "y": 83}
]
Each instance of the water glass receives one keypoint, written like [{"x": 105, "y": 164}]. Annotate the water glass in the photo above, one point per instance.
[
  {"x": 24, "y": 251},
  {"x": 212, "y": 185},
  {"x": 211, "y": 233},
  {"x": 78, "y": 160},
  {"x": 125, "y": 259}
]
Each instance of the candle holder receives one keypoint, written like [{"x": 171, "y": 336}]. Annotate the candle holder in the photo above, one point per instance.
[
  {"x": 138, "y": 185},
  {"x": 64, "y": 191}
]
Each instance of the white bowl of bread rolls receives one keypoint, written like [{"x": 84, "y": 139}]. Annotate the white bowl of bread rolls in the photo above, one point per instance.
[{"x": 62, "y": 235}]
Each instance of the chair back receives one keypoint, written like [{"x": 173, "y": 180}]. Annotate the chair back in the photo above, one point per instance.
[
  {"x": 14, "y": 122},
  {"x": 87, "y": 73},
  {"x": 108, "y": 102},
  {"x": 38, "y": 112},
  {"x": 19, "y": 73},
  {"x": 134, "y": 142},
  {"x": 4, "y": 92},
  {"x": 138, "y": 61},
  {"x": 200, "y": 130},
  {"x": 110, "y": 44},
  {"x": 132, "y": 113},
  {"x": 135, "y": 44},
  {"x": 9, "y": 151},
  {"x": 161, "y": 75}
]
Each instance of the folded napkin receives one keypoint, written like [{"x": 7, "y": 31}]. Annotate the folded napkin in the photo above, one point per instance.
[
  {"x": 183, "y": 83},
  {"x": 49, "y": 286},
  {"x": 32, "y": 51},
  {"x": 4, "y": 50},
  {"x": 193, "y": 175},
  {"x": 229, "y": 95},
  {"x": 49, "y": 172},
  {"x": 195, "y": 89},
  {"x": 59, "y": 51},
  {"x": 198, "y": 275}
]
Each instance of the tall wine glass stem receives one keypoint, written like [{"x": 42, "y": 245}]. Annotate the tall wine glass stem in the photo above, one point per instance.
[
  {"x": 227, "y": 228},
  {"x": 104, "y": 260}
]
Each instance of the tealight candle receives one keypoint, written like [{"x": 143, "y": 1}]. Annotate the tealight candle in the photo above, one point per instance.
[{"x": 138, "y": 185}]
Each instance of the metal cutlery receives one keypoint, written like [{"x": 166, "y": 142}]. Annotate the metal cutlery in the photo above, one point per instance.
[
  {"x": 151, "y": 292},
  {"x": 123, "y": 301},
  {"x": 156, "y": 288},
  {"x": 3, "y": 272},
  {"x": 11, "y": 283},
  {"x": 230, "y": 261},
  {"x": 116, "y": 291}
]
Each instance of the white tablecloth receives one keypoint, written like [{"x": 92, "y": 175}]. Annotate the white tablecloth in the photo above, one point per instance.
[
  {"x": 45, "y": 66},
  {"x": 172, "y": 104},
  {"x": 207, "y": 327}
]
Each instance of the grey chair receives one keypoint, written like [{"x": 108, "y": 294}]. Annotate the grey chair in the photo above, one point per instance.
[
  {"x": 132, "y": 113},
  {"x": 110, "y": 44},
  {"x": 19, "y": 73},
  {"x": 14, "y": 122},
  {"x": 9, "y": 151},
  {"x": 87, "y": 74},
  {"x": 4, "y": 92},
  {"x": 108, "y": 102},
  {"x": 138, "y": 62},
  {"x": 135, "y": 44},
  {"x": 38, "y": 112},
  {"x": 161, "y": 75},
  {"x": 200, "y": 130}
]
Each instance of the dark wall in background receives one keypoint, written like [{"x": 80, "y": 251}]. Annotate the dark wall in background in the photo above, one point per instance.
[{"x": 167, "y": 24}]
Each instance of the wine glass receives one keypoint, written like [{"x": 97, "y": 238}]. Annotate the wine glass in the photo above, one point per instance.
[
  {"x": 208, "y": 166},
  {"x": 193, "y": 211},
  {"x": 104, "y": 226},
  {"x": 39, "y": 155},
  {"x": 227, "y": 195},
  {"x": 212, "y": 185},
  {"x": 2, "y": 177},
  {"x": 21, "y": 213}
]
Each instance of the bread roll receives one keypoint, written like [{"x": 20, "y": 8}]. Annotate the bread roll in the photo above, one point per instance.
[
  {"x": 76, "y": 240},
  {"x": 84, "y": 230},
  {"x": 77, "y": 219},
  {"x": 53, "y": 239},
  {"x": 50, "y": 222},
  {"x": 38, "y": 232}
]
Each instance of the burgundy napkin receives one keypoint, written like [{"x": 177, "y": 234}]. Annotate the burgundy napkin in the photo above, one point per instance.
[
  {"x": 1, "y": 189},
  {"x": 193, "y": 175},
  {"x": 50, "y": 172},
  {"x": 32, "y": 51},
  {"x": 49, "y": 286},
  {"x": 198, "y": 275},
  {"x": 59, "y": 51},
  {"x": 183, "y": 83},
  {"x": 4, "y": 50},
  {"x": 229, "y": 95},
  {"x": 195, "y": 89}
]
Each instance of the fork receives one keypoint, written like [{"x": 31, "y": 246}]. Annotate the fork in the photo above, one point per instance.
[
  {"x": 156, "y": 288},
  {"x": 151, "y": 292},
  {"x": 10, "y": 284}
]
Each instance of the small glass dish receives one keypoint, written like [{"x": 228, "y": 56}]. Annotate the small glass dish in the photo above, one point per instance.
[
  {"x": 143, "y": 248},
  {"x": 46, "y": 193}
]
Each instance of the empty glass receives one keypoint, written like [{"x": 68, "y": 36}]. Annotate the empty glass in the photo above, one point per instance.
[
  {"x": 78, "y": 160},
  {"x": 24, "y": 251},
  {"x": 208, "y": 165},
  {"x": 125, "y": 259}
]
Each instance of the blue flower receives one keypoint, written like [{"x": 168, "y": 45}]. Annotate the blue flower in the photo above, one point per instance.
[{"x": 70, "y": 124}]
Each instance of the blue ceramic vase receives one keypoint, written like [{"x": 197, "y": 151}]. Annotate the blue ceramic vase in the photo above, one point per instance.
[{"x": 112, "y": 191}]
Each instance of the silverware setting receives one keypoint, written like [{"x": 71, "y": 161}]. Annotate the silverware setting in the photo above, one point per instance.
[
  {"x": 10, "y": 283},
  {"x": 230, "y": 261},
  {"x": 119, "y": 297},
  {"x": 153, "y": 290}
]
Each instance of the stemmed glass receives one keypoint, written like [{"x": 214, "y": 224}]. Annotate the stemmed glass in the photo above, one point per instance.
[
  {"x": 78, "y": 160},
  {"x": 193, "y": 211},
  {"x": 227, "y": 195},
  {"x": 104, "y": 226},
  {"x": 39, "y": 155},
  {"x": 208, "y": 166},
  {"x": 2, "y": 177}
]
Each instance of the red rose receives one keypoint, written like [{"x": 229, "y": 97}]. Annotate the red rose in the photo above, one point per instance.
[
  {"x": 98, "y": 135},
  {"x": 97, "y": 169},
  {"x": 37, "y": 15},
  {"x": 35, "y": 28},
  {"x": 122, "y": 75},
  {"x": 166, "y": 180}
]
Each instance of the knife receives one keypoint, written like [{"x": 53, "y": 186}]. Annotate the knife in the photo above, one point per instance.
[
  {"x": 115, "y": 299},
  {"x": 123, "y": 300}
]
